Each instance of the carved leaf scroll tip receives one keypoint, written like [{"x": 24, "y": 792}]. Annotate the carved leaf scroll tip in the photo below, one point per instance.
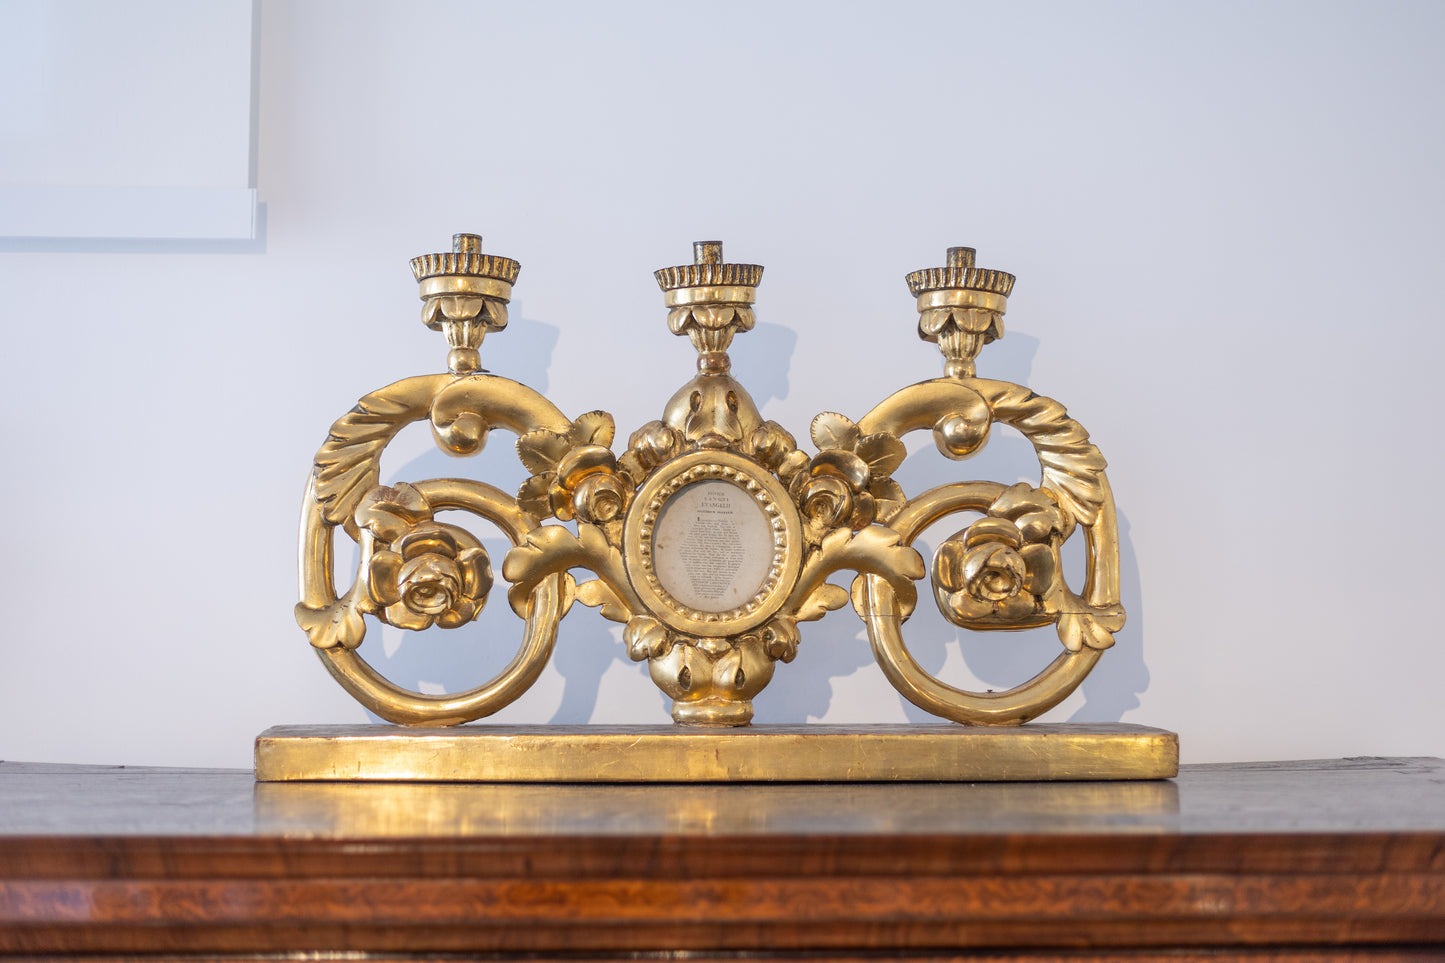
[
  {"x": 1093, "y": 628},
  {"x": 338, "y": 625},
  {"x": 826, "y": 598},
  {"x": 595, "y": 594}
]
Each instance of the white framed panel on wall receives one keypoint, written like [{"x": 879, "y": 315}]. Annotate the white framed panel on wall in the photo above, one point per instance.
[{"x": 127, "y": 120}]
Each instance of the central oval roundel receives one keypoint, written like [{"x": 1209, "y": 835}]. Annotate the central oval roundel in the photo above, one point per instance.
[{"x": 712, "y": 544}]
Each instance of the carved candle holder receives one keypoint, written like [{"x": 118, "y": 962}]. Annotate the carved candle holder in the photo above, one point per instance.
[{"x": 711, "y": 534}]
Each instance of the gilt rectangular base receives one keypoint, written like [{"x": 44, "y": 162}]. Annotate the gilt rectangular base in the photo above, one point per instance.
[{"x": 791, "y": 753}]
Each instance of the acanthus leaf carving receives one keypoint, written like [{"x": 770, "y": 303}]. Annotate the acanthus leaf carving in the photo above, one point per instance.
[
  {"x": 874, "y": 550},
  {"x": 595, "y": 594},
  {"x": 347, "y": 465},
  {"x": 826, "y": 598},
  {"x": 1070, "y": 464},
  {"x": 823, "y": 511},
  {"x": 552, "y": 549}
]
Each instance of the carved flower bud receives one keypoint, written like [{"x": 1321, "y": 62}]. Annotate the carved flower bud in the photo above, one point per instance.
[
  {"x": 579, "y": 463},
  {"x": 600, "y": 498},
  {"x": 770, "y": 443},
  {"x": 793, "y": 464},
  {"x": 646, "y": 638},
  {"x": 654, "y": 443},
  {"x": 780, "y": 636},
  {"x": 388, "y": 512}
]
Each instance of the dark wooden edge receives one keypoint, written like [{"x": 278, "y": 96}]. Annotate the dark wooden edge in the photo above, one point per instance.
[
  {"x": 823, "y": 894},
  {"x": 688, "y": 940},
  {"x": 691, "y": 857}
]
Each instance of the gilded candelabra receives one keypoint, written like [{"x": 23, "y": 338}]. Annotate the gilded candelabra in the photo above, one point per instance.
[{"x": 711, "y": 534}]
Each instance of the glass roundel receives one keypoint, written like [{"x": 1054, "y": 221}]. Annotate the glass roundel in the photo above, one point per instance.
[{"x": 712, "y": 546}]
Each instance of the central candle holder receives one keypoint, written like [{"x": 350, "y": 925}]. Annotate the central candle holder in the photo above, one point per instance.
[{"x": 711, "y": 535}]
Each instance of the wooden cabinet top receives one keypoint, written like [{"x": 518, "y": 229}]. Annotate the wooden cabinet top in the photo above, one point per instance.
[{"x": 1342, "y": 853}]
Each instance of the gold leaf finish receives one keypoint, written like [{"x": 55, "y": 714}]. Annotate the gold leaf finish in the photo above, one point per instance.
[
  {"x": 647, "y": 755},
  {"x": 346, "y": 467},
  {"x": 713, "y": 635}
]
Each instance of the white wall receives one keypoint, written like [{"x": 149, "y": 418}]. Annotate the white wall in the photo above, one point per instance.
[{"x": 1225, "y": 219}]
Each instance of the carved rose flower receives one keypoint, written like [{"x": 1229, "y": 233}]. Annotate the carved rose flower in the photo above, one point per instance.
[
  {"x": 433, "y": 573},
  {"x": 426, "y": 572},
  {"x": 1003, "y": 569},
  {"x": 840, "y": 487},
  {"x": 833, "y": 490},
  {"x": 574, "y": 472}
]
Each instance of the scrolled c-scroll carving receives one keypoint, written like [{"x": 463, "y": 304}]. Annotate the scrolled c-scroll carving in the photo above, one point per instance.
[
  {"x": 414, "y": 571},
  {"x": 1002, "y": 571},
  {"x": 711, "y": 535}
]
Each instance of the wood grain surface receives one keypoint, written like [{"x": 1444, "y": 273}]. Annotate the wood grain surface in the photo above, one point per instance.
[{"x": 1321, "y": 860}]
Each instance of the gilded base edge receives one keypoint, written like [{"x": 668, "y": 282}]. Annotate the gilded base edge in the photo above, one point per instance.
[{"x": 680, "y": 754}]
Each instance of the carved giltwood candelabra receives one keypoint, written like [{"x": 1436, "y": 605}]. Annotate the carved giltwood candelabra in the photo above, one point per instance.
[{"x": 711, "y": 534}]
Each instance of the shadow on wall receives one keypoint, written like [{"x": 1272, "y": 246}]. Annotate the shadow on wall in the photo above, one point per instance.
[
  {"x": 1113, "y": 688},
  {"x": 437, "y": 660},
  {"x": 256, "y": 244},
  {"x": 761, "y": 360}
]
